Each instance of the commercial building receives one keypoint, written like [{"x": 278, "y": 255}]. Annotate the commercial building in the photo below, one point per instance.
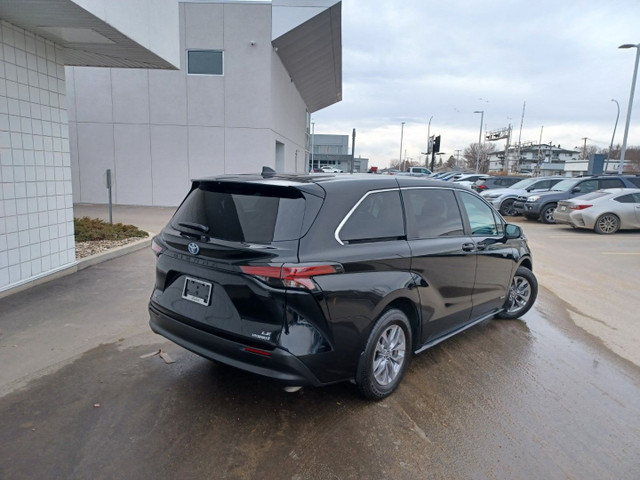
[
  {"x": 40, "y": 37},
  {"x": 239, "y": 82},
  {"x": 333, "y": 151},
  {"x": 543, "y": 159},
  {"x": 251, "y": 73}
]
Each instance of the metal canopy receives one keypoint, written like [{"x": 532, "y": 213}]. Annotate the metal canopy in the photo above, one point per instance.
[
  {"x": 87, "y": 40},
  {"x": 312, "y": 54}
]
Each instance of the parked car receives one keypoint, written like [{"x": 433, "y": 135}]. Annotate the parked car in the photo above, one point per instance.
[
  {"x": 449, "y": 175},
  {"x": 313, "y": 280},
  {"x": 468, "y": 179},
  {"x": 541, "y": 206},
  {"x": 327, "y": 169},
  {"x": 495, "y": 182},
  {"x": 418, "y": 171},
  {"x": 504, "y": 198},
  {"x": 605, "y": 211}
]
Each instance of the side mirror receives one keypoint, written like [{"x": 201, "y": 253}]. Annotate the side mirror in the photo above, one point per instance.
[
  {"x": 576, "y": 190},
  {"x": 512, "y": 232}
]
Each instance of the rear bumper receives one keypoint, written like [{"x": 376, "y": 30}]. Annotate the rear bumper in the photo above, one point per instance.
[{"x": 279, "y": 365}]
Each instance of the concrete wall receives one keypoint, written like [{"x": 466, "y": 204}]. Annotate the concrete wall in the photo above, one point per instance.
[
  {"x": 36, "y": 210},
  {"x": 157, "y": 130}
]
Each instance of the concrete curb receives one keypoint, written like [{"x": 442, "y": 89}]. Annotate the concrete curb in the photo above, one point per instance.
[
  {"x": 115, "y": 252},
  {"x": 81, "y": 265}
]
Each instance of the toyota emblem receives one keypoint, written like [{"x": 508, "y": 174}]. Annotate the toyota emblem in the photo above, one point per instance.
[{"x": 194, "y": 249}]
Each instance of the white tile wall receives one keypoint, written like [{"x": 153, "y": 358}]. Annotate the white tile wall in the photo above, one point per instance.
[{"x": 36, "y": 208}]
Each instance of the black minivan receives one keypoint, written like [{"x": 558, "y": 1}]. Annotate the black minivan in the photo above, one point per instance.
[{"x": 317, "y": 279}]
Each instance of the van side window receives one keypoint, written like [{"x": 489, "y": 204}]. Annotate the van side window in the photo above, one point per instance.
[
  {"x": 431, "y": 213},
  {"x": 480, "y": 216},
  {"x": 377, "y": 217}
]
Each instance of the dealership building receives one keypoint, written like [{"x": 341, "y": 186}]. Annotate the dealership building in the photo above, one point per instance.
[{"x": 157, "y": 92}]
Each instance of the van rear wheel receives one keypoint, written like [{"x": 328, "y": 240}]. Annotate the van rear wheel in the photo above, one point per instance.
[{"x": 386, "y": 356}]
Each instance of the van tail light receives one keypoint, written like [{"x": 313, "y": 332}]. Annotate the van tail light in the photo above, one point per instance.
[
  {"x": 480, "y": 187},
  {"x": 157, "y": 247},
  {"x": 579, "y": 207},
  {"x": 292, "y": 275}
]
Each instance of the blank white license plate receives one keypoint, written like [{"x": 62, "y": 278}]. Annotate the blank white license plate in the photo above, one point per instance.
[
  {"x": 562, "y": 208},
  {"x": 197, "y": 291}
]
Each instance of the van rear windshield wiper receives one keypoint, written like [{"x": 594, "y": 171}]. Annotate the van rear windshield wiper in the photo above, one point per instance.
[
  {"x": 197, "y": 227},
  {"x": 194, "y": 226}
]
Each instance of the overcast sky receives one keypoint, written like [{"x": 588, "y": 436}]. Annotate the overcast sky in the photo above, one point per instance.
[{"x": 405, "y": 61}]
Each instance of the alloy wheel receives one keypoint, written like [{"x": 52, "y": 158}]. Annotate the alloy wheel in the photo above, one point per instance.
[
  {"x": 519, "y": 294},
  {"x": 608, "y": 223},
  {"x": 389, "y": 355}
]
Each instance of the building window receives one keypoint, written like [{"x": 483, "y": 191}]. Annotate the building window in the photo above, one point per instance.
[{"x": 204, "y": 62}]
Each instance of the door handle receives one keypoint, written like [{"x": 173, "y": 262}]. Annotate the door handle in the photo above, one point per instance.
[{"x": 468, "y": 247}]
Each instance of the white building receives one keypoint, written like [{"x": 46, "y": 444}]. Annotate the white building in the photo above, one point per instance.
[
  {"x": 251, "y": 73},
  {"x": 544, "y": 159},
  {"x": 40, "y": 37}
]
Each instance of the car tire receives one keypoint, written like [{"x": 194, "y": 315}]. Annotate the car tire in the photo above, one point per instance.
[
  {"x": 386, "y": 356},
  {"x": 546, "y": 216},
  {"x": 607, "y": 223},
  {"x": 523, "y": 291},
  {"x": 507, "y": 208}
]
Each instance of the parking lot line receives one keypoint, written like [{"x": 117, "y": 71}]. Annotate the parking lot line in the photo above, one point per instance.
[{"x": 620, "y": 253}]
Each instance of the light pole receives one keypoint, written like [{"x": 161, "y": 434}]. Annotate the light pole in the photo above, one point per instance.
[
  {"x": 481, "y": 112},
  {"x": 612, "y": 136},
  {"x": 313, "y": 136},
  {"x": 401, "y": 135},
  {"x": 426, "y": 163},
  {"x": 633, "y": 87}
]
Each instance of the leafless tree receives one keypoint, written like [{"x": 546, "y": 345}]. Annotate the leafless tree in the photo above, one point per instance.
[{"x": 470, "y": 156}]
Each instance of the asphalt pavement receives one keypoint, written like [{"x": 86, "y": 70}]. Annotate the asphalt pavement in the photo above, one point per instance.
[{"x": 83, "y": 396}]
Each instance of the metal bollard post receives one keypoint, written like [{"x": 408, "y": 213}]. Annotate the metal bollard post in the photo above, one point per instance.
[{"x": 109, "y": 188}]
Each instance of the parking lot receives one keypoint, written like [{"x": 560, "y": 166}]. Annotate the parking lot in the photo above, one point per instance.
[{"x": 555, "y": 394}]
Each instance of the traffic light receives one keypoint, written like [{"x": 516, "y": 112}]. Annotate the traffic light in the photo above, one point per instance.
[{"x": 436, "y": 144}]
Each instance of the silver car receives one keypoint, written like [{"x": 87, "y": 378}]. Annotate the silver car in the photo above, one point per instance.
[
  {"x": 503, "y": 198},
  {"x": 605, "y": 211}
]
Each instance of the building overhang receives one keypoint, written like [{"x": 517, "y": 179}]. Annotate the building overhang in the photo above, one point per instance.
[
  {"x": 89, "y": 40},
  {"x": 312, "y": 54}
]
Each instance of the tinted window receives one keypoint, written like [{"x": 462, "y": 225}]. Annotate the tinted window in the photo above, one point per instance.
[
  {"x": 204, "y": 62},
  {"x": 377, "y": 217},
  {"x": 481, "y": 217},
  {"x": 431, "y": 213},
  {"x": 629, "y": 198},
  {"x": 243, "y": 214},
  {"x": 588, "y": 186},
  {"x": 635, "y": 181},
  {"x": 611, "y": 183}
]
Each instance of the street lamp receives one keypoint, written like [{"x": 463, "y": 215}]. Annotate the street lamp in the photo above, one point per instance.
[
  {"x": 401, "y": 135},
  {"x": 426, "y": 163},
  {"x": 612, "y": 136},
  {"x": 313, "y": 137},
  {"x": 633, "y": 87},
  {"x": 481, "y": 112}
]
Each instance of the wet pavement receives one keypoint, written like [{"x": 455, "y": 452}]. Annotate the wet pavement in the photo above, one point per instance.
[
  {"x": 537, "y": 397},
  {"x": 529, "y": 398}
]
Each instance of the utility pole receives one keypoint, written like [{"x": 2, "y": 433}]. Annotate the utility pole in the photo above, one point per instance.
[
  {"x": 401, "y": 137},
  {"x": 458, "y": 158},
  {"x": 520, "y": 137},
  {"x": 426, "y": 160},
  {"x": 584, "y": 149},
  {"x": 353, "y": 148}
]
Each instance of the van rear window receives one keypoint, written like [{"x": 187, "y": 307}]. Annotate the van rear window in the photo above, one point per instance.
[{"x": 243, "y": 213}]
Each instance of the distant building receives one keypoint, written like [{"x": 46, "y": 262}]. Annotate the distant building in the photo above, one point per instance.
[
  {"x": 333, "y": 151},
  {"x": 544, "y": 159}
]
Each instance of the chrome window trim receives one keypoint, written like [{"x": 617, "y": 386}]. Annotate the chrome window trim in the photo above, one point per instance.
[{"x": 344, "y": 220}]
